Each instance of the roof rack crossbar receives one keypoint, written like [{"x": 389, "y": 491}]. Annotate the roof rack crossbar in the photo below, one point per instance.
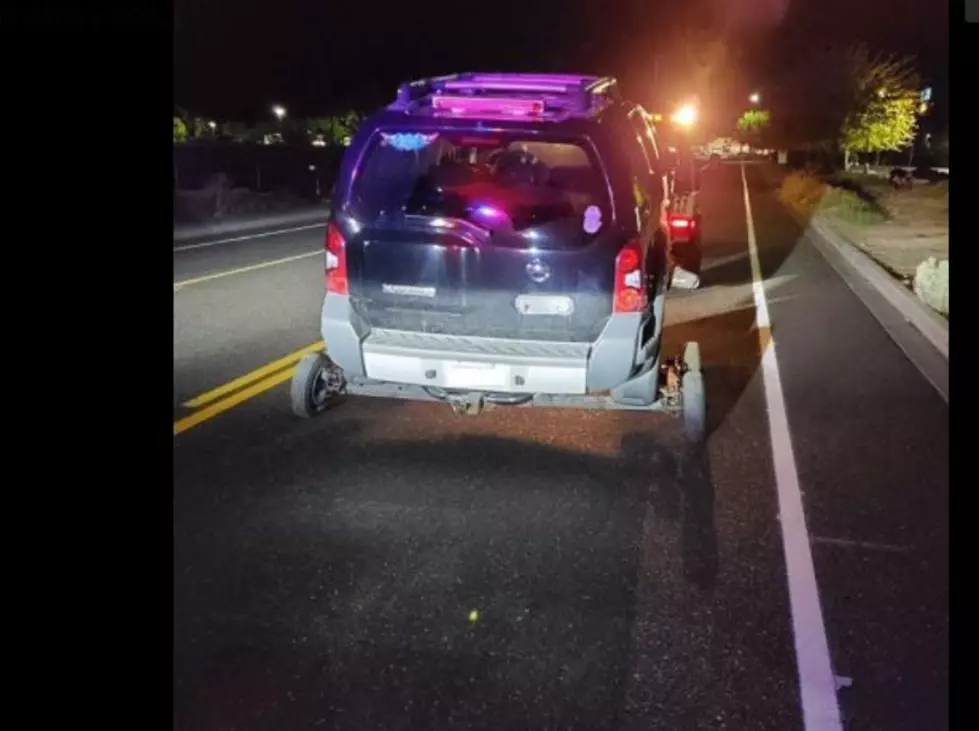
[
  {"x": 527, "y": 86},
  {"x": 531, "y": 77},
  {"x": 584, "y": 92}
]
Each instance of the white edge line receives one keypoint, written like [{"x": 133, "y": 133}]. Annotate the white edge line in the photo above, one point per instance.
[
  {"x": 242, "y": 270},
  {"x": 817, "y": 683},
  {"x": 277, "y": 231}
]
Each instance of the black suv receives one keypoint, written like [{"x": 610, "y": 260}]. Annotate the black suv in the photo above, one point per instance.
[{"x": 497, "y": 236}]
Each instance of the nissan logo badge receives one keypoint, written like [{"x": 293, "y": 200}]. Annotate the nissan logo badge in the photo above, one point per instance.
[{"x": 538, "y": 271}]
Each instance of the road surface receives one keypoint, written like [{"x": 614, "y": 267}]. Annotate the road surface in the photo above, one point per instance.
[{"x": 391, "y": 566}]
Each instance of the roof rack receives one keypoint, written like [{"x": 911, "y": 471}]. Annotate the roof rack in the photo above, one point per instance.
[{"x": 576, "y": 93}]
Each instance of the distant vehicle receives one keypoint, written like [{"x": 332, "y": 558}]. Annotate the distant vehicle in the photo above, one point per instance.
[
  {"x": 504, "y": 239},
  {"x": 727, "y": 147}
]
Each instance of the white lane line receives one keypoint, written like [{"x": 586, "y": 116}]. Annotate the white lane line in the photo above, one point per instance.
[
  {"x": 276, "y": 232},
  {"x": 817, "y": 684},
  {"x": 241, "y": 270}
]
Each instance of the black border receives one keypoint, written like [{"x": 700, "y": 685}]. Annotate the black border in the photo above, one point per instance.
[
  {"x": 963, "y": 44},
  {"x": 87, "y": 100}
]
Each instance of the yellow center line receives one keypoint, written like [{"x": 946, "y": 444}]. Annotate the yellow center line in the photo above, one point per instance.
[
  {"x": 216, "y": 393},
  {"x": 218, "y": 407},
  {"x": 243, "y": 270}
]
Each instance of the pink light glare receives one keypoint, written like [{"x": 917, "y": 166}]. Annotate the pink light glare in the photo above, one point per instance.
[{"x": 463, "y": 104}]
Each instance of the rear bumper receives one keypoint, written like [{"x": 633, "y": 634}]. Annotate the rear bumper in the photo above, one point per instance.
[{"x": 484, "y": 364}]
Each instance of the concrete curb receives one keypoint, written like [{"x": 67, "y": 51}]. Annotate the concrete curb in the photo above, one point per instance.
[
  {"x": 245, "y": 224},
  {"x": 930, "y": 324}
]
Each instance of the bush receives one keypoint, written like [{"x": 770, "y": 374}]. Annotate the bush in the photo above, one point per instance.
[{"x": 802, "y": 191}]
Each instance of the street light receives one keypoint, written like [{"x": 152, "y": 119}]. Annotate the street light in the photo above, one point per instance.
[
  {"x": 213, "y": 125},
  {"x": 279, "y": 111},
  {"x": 685, "y": 116},
  {"x": 755, "y": 98}
]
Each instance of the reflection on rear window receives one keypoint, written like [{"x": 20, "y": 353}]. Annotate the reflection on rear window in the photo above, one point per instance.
[{"x": 501, "y": 182}]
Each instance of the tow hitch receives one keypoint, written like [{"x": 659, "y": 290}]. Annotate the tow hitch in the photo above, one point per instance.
[{"x": 466, "y": 404}]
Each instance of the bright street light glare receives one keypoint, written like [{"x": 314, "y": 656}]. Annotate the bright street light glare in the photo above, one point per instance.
[
  {"x": 279, "y": 111},
  {"x": 755, "y": 98},
  {"x": 212, "y": 124},
  {"x": 686, "y": 115}
]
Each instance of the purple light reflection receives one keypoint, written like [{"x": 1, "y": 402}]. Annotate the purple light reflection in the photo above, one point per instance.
[{"x": 489, "y": 212}]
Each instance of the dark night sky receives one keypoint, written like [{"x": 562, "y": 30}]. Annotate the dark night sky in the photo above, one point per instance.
[{"x": 232, "y": 60}]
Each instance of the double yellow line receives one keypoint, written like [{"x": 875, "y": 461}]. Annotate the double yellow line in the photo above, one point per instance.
[{"x": 228, "y": 395}]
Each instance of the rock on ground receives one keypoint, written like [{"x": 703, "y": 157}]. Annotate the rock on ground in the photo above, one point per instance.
[{"x": 931, "y": 283}]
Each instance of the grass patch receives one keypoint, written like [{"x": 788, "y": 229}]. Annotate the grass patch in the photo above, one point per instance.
[
  {"x": 851, "y": 207},
  {"x": 808, "y": 194}
]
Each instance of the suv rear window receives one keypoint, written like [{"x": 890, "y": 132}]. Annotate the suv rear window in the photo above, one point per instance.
[{"x": 501, "y": 181}]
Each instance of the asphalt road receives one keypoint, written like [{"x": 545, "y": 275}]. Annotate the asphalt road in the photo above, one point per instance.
[{"x": 391, "y": 566}]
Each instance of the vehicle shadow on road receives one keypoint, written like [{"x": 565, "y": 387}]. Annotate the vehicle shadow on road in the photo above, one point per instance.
[
  {"x": 439, "y": 581},
  {"x": 726, "y": 327}
]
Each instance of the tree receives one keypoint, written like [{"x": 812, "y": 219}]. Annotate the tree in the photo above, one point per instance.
[
  {"x": 837, "y": 98},
  {"x": 884, "y": 105},
  {"x": 336, "y": 129},
  {"x": 752, "y": 123},
  {"x": 179, "y": 130}
]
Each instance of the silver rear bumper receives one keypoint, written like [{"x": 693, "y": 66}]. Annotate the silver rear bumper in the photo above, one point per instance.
[
  {"x": 484, "y": 364},
  {"x": 505, "y": 366}
]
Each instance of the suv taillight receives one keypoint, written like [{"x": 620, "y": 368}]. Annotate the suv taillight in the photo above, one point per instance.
[
  {"x": 336, "y": 261},
  {"x": 630, "y": 290},
  {"x": 682, "y": 224}
]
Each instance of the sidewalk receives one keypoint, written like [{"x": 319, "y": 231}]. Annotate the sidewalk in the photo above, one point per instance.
[
  {"x": 308, "y": 215},
  {"x": 898, "y": 247}
]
